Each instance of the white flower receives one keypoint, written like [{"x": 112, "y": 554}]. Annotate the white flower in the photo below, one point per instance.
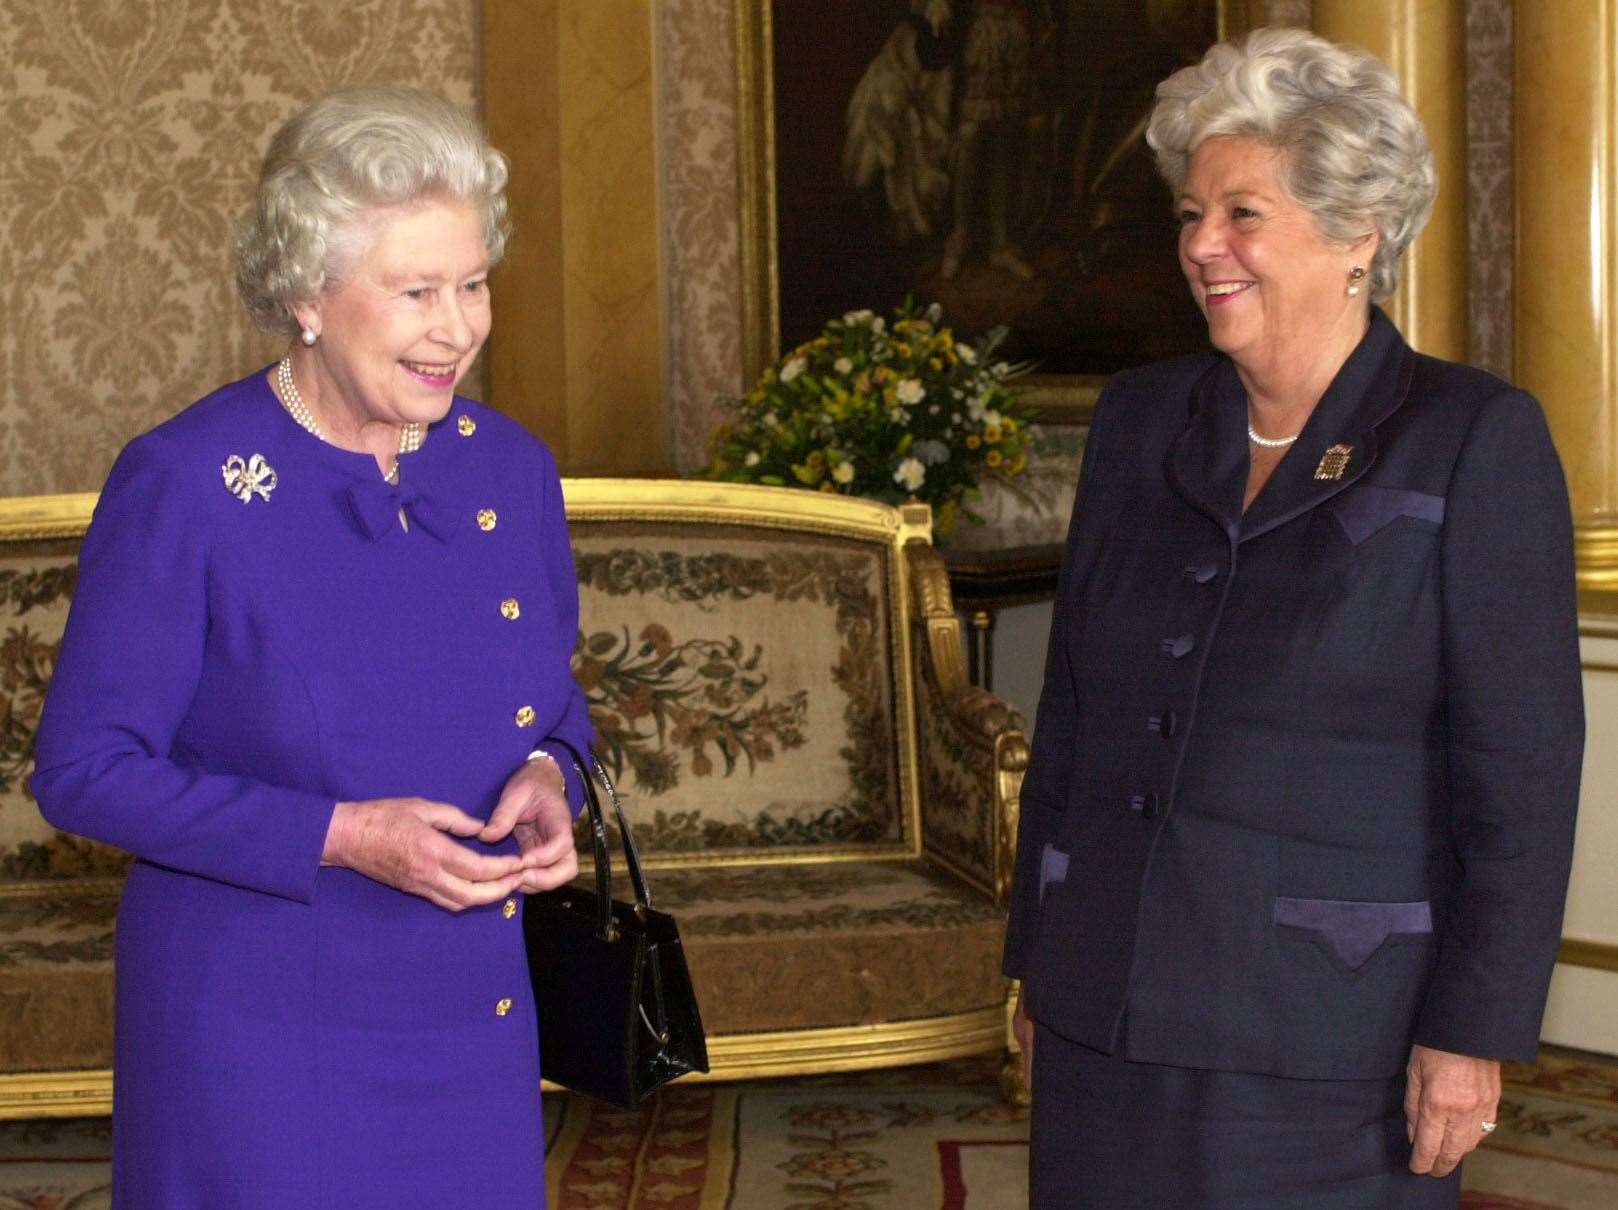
[
  {"x": 967, "y": 354},
  {"x": 932, "y": 410},
  {"x": 843, "y": 472},
  {"x": 793, "y": 368},
  {"x": 911, "y": 392},
  {"x": 771, "y": 419},
  {"x": 1001, "y": 369},
  {"x": 854, "y": 318},
  {"x": 843, "y": 365},
  {"x": 934, "y": 313},
  {"x": 910, "y": 474},
  {"x": 898, "y": 416},
  {"x": 878, "y": 324},
  {"x": 932, "y": 452},
  {"x": 992, "y": 419},
  {"x": 975, "y": 407},
  {"x": 751, "y": 459}
]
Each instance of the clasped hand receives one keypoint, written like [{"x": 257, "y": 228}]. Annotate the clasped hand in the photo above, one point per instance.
[{"x": 407, "y": 842}]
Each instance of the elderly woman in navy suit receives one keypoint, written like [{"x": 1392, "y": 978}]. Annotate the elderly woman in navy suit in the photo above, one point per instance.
[{"x": 1296, "y": 834}]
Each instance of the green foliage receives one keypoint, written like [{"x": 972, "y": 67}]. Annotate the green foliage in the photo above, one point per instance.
[{"x": 889, "y": 412}]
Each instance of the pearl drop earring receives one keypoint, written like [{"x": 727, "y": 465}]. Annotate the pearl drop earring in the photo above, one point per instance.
[
  {"x": 1355, "y": 276},
  {"x": 308, "y": 336}
]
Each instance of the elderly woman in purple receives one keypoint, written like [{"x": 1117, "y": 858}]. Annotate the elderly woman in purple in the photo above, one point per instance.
[{"x": 312, "y": 678}]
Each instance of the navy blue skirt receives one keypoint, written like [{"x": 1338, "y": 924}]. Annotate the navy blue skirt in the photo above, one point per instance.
[{"x": 1108, "y": 1134}]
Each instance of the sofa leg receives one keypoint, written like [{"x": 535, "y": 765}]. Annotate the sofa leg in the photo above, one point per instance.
[{"x": 1013, "y": 1088}]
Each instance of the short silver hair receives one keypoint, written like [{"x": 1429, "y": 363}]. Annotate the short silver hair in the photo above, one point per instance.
[
  {"x": 1355, "y": 152},
  {"x": 348, "y": 153}
]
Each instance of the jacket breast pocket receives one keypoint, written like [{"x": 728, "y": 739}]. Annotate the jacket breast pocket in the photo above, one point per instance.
[
  {"x": 1366, "y": 509},
  {"x": 1348, "y": 931}
]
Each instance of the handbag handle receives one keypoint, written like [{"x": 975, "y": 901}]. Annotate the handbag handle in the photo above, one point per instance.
[{"x": 598, "y": 840}]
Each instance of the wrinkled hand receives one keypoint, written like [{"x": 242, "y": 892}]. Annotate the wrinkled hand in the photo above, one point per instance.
[
  {"x": 533, "y": 808},
  {"x": 405, "y": 843},
  {"x": 1447, "y": 1100},
  {"x": 1022, "y": 1028}
]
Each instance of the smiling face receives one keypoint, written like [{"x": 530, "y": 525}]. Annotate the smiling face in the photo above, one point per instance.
[
  {"x": 1269, "y": 283},
  {"x": 404, "y": 323}
]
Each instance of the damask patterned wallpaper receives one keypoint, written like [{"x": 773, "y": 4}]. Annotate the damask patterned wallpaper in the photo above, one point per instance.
[{"x": 132, "y": 135}]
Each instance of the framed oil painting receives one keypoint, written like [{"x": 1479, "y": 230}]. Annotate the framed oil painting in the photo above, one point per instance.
[{"x": 988, "y": 155}]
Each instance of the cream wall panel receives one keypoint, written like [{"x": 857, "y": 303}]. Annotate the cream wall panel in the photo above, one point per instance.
[{"x": 1583, "y": 1010}]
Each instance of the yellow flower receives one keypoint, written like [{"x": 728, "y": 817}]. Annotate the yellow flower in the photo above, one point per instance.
[
  {"x": 1017, "y": 464},
  {"x": 994, "y": 458},
  {"x": 935, "y": 363},
  {"x": 903, "y": 350},
  {"x": 946, "y": 340},
  {"x": 828, "y": 486},
  {"x": 992, "y": 434},
  {"x": 973, "y": 441},
  {"x": 816, "y": 460}
]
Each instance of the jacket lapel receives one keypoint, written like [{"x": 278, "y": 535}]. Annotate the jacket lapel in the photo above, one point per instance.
[
  {"x": 1371, "y": 385},
  {"x": 1208, "y": 464}
]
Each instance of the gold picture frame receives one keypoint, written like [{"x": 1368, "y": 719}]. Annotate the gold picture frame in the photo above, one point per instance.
[{"x": 1055, "y": 398}]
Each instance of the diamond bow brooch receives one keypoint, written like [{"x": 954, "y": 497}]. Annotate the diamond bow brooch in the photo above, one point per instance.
[{"x": 254, "y": 477}]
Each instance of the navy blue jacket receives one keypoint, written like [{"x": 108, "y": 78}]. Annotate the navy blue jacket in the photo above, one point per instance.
[{"x": 1304, "y": 780}]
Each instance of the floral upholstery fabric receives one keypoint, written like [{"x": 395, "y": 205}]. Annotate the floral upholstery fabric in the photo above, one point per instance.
[
  {"x": 956, "y": 768},
  {"x": 56, "y": 981},
  {"x": 741, "y": 684},
  {"x": 36, "y": 587},
  {"x": 801, "y": 946}
]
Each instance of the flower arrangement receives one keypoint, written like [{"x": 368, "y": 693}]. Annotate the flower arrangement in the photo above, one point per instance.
[{"x": 888, "y": 411}]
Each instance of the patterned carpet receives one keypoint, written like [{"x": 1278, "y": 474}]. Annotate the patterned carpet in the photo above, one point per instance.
[{"x": 935, "y": 1137}]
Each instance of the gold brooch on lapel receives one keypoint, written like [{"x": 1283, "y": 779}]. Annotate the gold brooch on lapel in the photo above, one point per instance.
[
  {"x": 254, "y": 477},
  {"x": 1334, "y": 462}
]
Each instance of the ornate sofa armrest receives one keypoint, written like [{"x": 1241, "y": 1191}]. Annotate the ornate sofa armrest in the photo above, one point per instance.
[{"x": 972, "y": 750}]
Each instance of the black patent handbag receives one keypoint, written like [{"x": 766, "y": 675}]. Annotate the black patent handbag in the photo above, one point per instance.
[{"x": 617, "y": 1014}]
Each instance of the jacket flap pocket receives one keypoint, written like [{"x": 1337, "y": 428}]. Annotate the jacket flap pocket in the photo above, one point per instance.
[
  {"x": 1353, "y": 929},
  {"x": 1365, "y": 508},
  {"x": 1052, "y": 868}
]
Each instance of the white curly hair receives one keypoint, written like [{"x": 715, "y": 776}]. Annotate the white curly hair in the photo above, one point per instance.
[
  {"x": 1356, "y": 155},
  {"x": 343, "y": 156}
]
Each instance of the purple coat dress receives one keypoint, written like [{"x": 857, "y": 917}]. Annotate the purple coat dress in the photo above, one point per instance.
[{"x": 292, "y": 1035}]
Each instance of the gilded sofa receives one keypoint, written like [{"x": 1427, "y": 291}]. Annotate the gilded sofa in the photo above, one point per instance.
[{"x": 778, "y": 684}]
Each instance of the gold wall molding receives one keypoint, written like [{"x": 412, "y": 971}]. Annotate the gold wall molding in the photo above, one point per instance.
[
  {"x": 1596, "y": 955},
  {"x": 577, "y": 348},
  {"x": 1566, "y": 266},
  {"x": 1424, "y": 41}
]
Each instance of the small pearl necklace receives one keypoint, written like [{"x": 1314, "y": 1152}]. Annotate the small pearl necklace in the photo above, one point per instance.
[
  {"x": 1269, "y": 443},
  {"x": 410, "y": 437}
]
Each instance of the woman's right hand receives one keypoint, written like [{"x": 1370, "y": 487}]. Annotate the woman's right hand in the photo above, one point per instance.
[
  {"x": 405, "y": 843},
  {"x": 1022, "y": 1028}
]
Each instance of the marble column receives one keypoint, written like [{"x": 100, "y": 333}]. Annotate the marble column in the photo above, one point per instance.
[
  {"x": 1565, "y": 271},
  {"x": 1424, "y": 41},
  {"x": 576, "y": 352}
]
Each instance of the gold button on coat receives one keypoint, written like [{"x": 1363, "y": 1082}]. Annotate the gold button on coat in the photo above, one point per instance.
[
  {"x": 467, "y": 426},
  {"x": 502, "y": 1008},
  {"x": 525, "y": 716},
  {"x": 510, "y": 610},
  {"x": 509, "y": 908},
  {"x": 486, "y": 519}
]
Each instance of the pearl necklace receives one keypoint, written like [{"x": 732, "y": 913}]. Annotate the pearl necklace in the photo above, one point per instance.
[
  {"x": 1270, "y": 443},
  {"x": 410, "y": 437}
]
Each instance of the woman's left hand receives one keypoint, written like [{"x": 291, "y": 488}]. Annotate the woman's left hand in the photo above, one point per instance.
[
  {"x": 1448, "y": 1098},
  {"x": 533, "y": 808}
]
